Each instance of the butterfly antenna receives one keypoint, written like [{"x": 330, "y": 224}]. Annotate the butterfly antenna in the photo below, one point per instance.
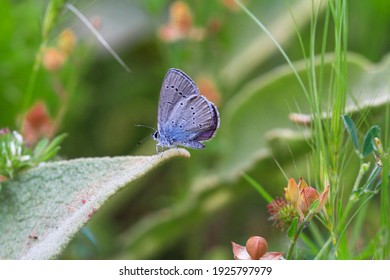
[
  {"x": 143, "y": 140},
  {"x": 146, "y": 126}
]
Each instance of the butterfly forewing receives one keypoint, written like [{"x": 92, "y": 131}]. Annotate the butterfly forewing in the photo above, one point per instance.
[{"x": 176, "y": 86}]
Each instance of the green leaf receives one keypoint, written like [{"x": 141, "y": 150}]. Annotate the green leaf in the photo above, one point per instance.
[
  {"x": 45, "y": 150},
  {"x": 351, "y": 128},
  {"x": 40, "y": 148},
  {"x": 292, "y": 230},
  {"x": 45, "y": 206},
  {"x": 56, "y": 141},
  {"x": 368, "y": 144}
]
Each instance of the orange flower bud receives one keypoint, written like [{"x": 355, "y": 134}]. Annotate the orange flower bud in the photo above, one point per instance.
[
  {"x": 53, "y": 59},
  {"x": 181, "y": 16},
  {"x": 180, "y": 25},
  {"x": 96, "y": 21},
  {"x": 3, "y": 179},
  {"x": 208, "y": 88},
  {"x": 255, "y": 249},
  {"x": 306, "y": 198},
  {"x": 256, "y": 246},
  {"x": 37, "y": 124},
  {"x": 66, "y": 41},
  {"x": 231, "y": 5}
]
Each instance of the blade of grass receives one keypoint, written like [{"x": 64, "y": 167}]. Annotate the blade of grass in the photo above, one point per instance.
[
  {"x": 258, "y": 187},
  {"x": 96, "y": 33},
  {"x": 279, "y": 47}
]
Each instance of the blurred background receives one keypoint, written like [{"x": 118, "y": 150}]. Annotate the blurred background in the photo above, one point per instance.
[{"x": 185, "y": 209}]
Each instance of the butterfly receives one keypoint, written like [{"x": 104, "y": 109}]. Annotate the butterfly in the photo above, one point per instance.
[{"x": 185, "y": 117}]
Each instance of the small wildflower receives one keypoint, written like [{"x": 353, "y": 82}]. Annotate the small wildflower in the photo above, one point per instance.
[
  {"x": 180, "y": 16},
  {"x": 12, "y": 148},
  {"x": 53, "y": 59},
  {"x": 18, "y": 137},
  {"x": 4, "y": 131},
  {"x": 96, "y": 21},
  {"x": 231, "y": 5},
  {"x": 25, "y": 158},
  {"x": 296, "y": 204},
  {"x": 282, "y": 213},
  {"x": 180, "y": 25},
  {"x": 255, "y": 249},
  {"x": 208, "y": 88},
  {"x": 306, "y": 198},
  {"x": 37, "y": 124},
  {"x": 16, "y": 155},
  {"x": 66, "y": 41},
  {"x": 12, "y": 153},
  {"x": 214, "y": 25},
  {"x": 308, "y": 195}
]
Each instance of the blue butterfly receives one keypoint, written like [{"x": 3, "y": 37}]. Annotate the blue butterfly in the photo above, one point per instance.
[{"x": 185, "y": 118}]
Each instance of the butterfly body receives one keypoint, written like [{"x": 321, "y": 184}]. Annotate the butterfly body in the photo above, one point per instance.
[{"x": 185, "y": 118}]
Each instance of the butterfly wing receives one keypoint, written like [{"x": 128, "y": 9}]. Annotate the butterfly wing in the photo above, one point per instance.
[
  {"x": 177, "y": 86},
  {"x": 191, "y": 121}
]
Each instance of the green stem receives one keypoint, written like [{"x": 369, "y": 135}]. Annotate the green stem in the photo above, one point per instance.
[
  {"x": 354, "y": 198},
  {"x": 298, "y": 233},
  {"x": 33, "y": 77},
  {"x": 384, "y": 217},
  {"x": 324, "y": 248},
  {"x": 51, "y": 15}
]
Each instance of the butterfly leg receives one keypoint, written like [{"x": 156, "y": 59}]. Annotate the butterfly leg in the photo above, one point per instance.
[{"x": 158, "y": 146}]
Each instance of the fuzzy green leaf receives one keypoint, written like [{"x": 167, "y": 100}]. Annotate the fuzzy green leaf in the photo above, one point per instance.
[
  {"x": 368, "y": 144},
  {"x": 45, "y": 206},
  {"x": 351, "y": 128}
]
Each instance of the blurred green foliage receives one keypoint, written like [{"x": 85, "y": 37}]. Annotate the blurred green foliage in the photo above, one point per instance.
[{"x": 191, "y": 209}]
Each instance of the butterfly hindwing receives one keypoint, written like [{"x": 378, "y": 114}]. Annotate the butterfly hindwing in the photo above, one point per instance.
[{"x": 193, "y": 119}]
